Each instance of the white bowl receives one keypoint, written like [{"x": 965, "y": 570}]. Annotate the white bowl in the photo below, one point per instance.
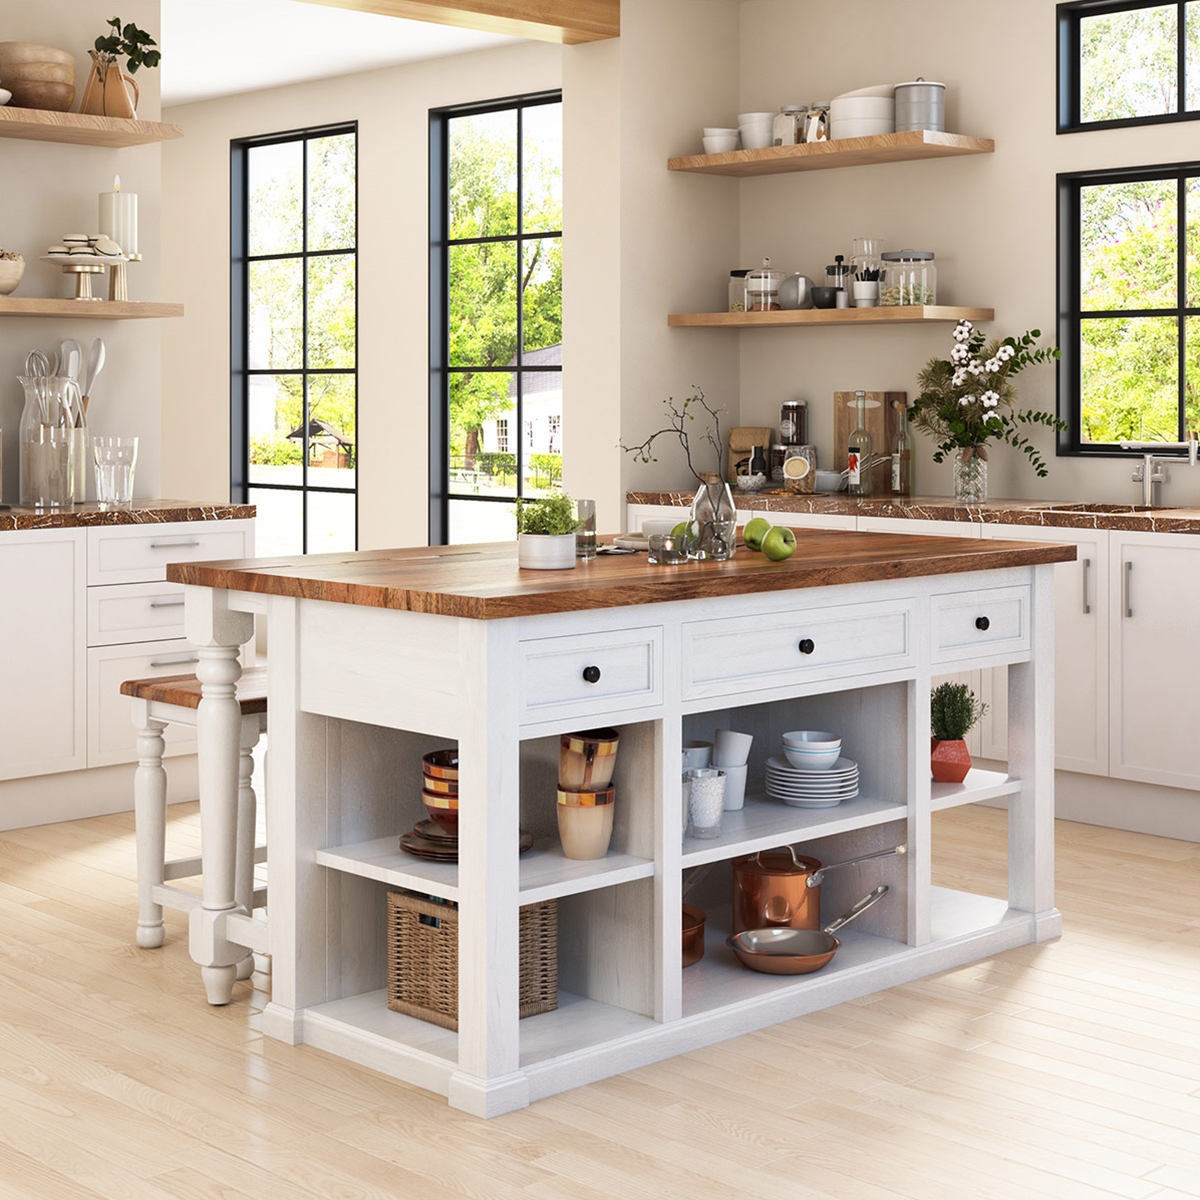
[
  {"x": 828, "y": 481},
  {"x": 877, "y": 89},
  {"x": 5, "y": 96},
  {"x": 859, "y": 127},
  {"x": 751, "y": 483},
  {"x": 814, "y": 739},
  {"x": 755, "y": 118},
  {"x": 725, "y": 131},
  {"x": 811, "y": 750},
  {"x": 863, "y": 106},
  {"x": 720, "y": 145},
  {"x": 755, "y": 137},
  {"x": 661, "y": 525}
]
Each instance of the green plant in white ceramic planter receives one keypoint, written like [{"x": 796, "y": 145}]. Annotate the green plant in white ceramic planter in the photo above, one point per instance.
[{"x": 546, "y": 532}]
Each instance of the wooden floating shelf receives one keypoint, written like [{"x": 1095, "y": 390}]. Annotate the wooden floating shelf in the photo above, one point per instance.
[
  {"x": 82, "y": 129},
  {"x": 845, "y": 152},
  {"x": 91, "y": 310},
  {"x": 890, "y": 315}
]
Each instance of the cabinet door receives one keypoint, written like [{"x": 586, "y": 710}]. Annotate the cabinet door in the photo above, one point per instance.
[
  {"x": 966, "y": 529},
  {"x": 1155, "y": 679},
  {"x": 43, "y": 612},
  {"x": 1081, "y": 609}
]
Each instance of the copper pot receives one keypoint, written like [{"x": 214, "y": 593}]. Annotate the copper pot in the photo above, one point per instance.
[
  {"x": 782, "y": 889},
  {"x": 693, "y": 934}
]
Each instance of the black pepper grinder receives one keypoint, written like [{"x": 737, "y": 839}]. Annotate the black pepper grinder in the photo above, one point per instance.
[{"x": 758, "y": 464}]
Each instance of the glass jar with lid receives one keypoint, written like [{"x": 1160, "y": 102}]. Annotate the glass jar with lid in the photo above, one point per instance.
[
  {"x": 762, "y": 289},
  {"x": 909, "y": 277},
  {"x": 816, "y": 122},
  {"x": 788, "y": 127},
  {"x": 737, "y": 290},
  {"x": 793, "y": 422}
]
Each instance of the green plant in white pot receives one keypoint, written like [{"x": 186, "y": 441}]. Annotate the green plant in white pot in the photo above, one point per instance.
[{"x": 546, "y": 532}]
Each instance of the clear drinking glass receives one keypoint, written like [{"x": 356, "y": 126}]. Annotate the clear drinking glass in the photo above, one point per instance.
[
  {"x": 585, "y": 534},
  {"x": 115, "y": 459}
]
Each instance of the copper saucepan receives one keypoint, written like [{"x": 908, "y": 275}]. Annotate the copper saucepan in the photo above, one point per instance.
[
  {"x": 780, "y": 888},
  {"x": 784, "y": 951}
]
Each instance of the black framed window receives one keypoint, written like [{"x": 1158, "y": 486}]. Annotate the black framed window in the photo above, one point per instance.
[
  {"x": 294, "y": 402},
  {"x": 1129, "y": 306},
  {"x": 1127, "y": 62},
  {"x": 495, "y": 313}
]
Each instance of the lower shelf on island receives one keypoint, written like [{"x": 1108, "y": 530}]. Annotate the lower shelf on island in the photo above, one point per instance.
[{"x": 979, "y": 785}]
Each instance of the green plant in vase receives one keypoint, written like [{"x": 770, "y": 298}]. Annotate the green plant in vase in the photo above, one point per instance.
[{"x": 954, "y": 711}]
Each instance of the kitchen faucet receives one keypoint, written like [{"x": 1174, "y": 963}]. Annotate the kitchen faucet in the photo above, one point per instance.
[{"x": 1151, "y": 470}]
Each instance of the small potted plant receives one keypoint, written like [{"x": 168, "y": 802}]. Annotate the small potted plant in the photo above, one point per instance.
[
  {"x": 546, "y": 532},
  {"x": 953, "y": 712},
  {"x": 110, "y": 90}
]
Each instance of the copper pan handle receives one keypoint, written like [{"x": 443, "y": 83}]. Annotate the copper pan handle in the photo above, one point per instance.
[{"x": 815, "y": 878}]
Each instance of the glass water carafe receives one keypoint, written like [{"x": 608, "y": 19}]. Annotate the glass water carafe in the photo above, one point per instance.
[
  {"x": 51, "y": 426},
  {"x": 714, "y": 520}
]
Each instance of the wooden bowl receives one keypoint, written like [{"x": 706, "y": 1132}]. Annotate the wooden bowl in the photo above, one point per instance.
[
  {"x": 442, "y": 809},
  {"x": 38, "y": 76},
  {"x": 11, "y": 270},
  {"x": 441, "y": 764}
]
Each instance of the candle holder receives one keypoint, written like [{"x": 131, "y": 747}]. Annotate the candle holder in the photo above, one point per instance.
[
  {"x": 667, "y": 549},
  {"x": 118, "y": 278}
]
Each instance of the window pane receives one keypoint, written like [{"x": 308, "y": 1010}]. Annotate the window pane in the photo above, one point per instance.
[
  {"x": 541, "y": 129},
  {"x": 483, "y": 433},
  {"x": 541, "y": 277},
  {"x": 1191, "y": 67},
  {"x": 275, "y": 408},
  {"x": 331, "y": 320},
  {"x": 1128, "y": 248},
  {"x": 541, "y": 409},
  {"x": 1191, "y": 383},
  {"x": 273, "y": 183},
  {"x": 483, "y": 305},
  {"x": 276, "y": 304},
  {"x": 472, "y": 521},
  {"x": 1130, "y": 370},
  {"x": 330, "y": 523},
  {"x": 331, "y": 197},
  {"x": 1193, "y": 241},
  {"x": 331, "y": 432},
  {"x": 483, "y": 175},
  {"x": 278, "y": 529},
  {"x": 1129, "y": 66}
]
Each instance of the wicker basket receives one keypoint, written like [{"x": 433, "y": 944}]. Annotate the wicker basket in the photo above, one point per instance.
[{"x": 422, "y": 958}]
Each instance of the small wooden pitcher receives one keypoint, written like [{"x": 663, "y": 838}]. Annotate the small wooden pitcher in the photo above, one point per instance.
[{"x": 109, "y": 91}]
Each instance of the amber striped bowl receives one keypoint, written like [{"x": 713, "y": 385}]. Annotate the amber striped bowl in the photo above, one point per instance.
[{"x": 442, "y": 809}]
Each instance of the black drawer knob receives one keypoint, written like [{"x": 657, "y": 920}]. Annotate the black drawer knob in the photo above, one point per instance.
[
  {"x": 982, "y": 623},
  {"x": 591, "y": 674},
  {"x": 806, "y": 646}
]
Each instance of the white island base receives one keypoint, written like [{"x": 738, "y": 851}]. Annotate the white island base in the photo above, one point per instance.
[{"x": 359, "y": 693}]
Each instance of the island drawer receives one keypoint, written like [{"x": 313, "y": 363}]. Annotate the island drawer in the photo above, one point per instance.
[
  {"x": 987, "y": 621},
  {"x": 134, "y": 612},
  {"x": 776, "y": 649},
  {"x": 140, "y": 554},
  {"x": 581, "y": 675}
]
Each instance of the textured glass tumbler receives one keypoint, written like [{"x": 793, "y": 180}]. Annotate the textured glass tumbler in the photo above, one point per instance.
[
  {"x": 585, "y": 534},
  {"x": 115, "y": 459}
]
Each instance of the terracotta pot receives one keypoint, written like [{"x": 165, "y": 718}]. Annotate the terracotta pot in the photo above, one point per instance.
[{"x": 950, "y": 760}]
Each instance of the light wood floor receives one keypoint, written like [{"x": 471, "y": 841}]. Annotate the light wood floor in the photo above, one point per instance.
[{"x": 1054, "y": 1072}]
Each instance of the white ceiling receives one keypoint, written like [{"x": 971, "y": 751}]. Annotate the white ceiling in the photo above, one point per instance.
[{"x": 267, "y": 43}]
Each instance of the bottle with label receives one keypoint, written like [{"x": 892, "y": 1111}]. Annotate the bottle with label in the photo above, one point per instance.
[
  {"x": 902, "y": 453},
  {"x": 859, "y": 447},
  {"x": 758, "y": 463}
]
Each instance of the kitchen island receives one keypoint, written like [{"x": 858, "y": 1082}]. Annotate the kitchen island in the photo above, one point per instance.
[{"x": 378, "y": 657}]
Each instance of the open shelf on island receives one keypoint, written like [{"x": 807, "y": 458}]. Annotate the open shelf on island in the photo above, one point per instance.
[
  {"x": 87, "y": 310},
  {"x": 978, "y": 785},
  {"x": 845, "y": 152},
  {"x": 82, "y": 129},
  {"x": 763, "y": 823},
  {"x": 896, "y": 314}
]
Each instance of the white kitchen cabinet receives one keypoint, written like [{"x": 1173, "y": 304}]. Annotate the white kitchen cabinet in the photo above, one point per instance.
[
  {"x": 43, "y": 612},
  {"x": 927, "y": 528},
  {"x": 1154, "y": 681}
]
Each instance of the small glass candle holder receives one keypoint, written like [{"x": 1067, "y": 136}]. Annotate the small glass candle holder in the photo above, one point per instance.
[
  {"x": 706, "y": 801},
  {"x": 666, "y": 548}
]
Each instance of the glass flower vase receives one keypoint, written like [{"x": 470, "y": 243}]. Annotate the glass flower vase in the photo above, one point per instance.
[
  {"x": 714, "y": 520},
  {"x": 970, "y": 475}
]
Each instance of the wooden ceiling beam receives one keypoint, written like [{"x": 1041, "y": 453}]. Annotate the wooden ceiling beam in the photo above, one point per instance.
[{"x": 569, "y": 22}]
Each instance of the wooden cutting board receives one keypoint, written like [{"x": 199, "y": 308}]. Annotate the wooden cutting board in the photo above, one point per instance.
[{"x": 883, "y": 423}]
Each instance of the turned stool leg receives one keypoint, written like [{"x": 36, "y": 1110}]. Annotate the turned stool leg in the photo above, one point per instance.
[{"x": 150, "y": 819}]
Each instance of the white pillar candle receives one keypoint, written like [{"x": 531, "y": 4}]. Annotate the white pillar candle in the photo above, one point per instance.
[{"x": 119, "y": 217}]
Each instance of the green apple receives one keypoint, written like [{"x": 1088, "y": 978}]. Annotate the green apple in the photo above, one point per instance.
[
  {"x": 756, "y": 529},
  {"x": 680, "y": 530},
  {"x": 779, "y": 543}
]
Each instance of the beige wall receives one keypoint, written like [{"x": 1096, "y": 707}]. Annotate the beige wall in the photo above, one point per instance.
[
  {"x": 50, "y": 190},
  {"x": 990, "y": 219},
  {"x": 391, "y": 107}
]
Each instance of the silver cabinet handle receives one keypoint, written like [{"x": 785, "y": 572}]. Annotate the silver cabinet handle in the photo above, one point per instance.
[
  {"x": 1087, "y": 566},
  {"x": 1127, "y": 589},
  {"x": 175, "y": 662},
  {"x": 172, "y": 545},
  {"x": 166, "y": 603}
]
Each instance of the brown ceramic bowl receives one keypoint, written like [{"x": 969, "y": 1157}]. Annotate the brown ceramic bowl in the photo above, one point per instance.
[
  {"x": 442, "y": 809},
  {"x": 693, "y": 934},
  {"x": 440, "y": 787},
  {"x": 38, "y": 76},
  {"x": 441, "y": 764}
]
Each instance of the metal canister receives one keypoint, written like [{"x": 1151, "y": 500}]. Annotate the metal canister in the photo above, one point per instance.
[{"x": 920, "y": 105}]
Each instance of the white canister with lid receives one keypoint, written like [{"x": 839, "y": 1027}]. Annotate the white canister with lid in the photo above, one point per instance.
[{"x": 920, "y": 104}]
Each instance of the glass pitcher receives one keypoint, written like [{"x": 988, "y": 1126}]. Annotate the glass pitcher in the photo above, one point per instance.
[
  {"x": 714, "y": 519},
  {"x": 48, "y": 439}
]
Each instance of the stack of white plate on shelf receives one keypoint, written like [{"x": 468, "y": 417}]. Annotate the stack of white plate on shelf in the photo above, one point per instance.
[{"x": 811, "y": 789}]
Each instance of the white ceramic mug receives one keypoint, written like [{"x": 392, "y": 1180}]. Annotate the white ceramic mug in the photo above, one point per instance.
[
  {"x": 735, "y": 787},
  {"x": 697, "y": 755},
  {"x": 730, "y": 748}
]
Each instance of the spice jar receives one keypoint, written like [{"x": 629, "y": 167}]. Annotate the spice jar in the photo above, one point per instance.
[
  {"x": 788, "y": 127},
  {"x": 737, "y": 290},
  {"x": 816, "y": 122},
  {"x": 762, "y": 289},
  {"x": 800, "y": 469},
  {"x": 793, "y": 423},
  {"x": 909, "y": 277}
]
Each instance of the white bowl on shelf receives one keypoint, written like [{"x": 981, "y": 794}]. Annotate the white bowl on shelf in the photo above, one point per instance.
[
  {"x": 5, "y": 97},
  {"x": 755, "y": 137},
  {"x": 852, "y": 127},
  {"x": 812, "y": 749},
  {"x": 722, "y": 144},
  {"x": 720, "y": 131}
]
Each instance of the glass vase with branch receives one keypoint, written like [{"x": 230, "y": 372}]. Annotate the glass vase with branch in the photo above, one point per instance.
[{"x": 712, "y": 528}]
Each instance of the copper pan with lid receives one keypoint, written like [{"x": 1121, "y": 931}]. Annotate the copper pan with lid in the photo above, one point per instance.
[{"x": 782, "y": 889}]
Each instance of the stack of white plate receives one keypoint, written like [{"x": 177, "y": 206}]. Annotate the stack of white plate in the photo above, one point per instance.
[{"x": 811, "y": 789}]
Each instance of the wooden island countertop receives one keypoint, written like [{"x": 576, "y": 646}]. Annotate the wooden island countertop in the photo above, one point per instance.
[{"x": 483, "y": 582}]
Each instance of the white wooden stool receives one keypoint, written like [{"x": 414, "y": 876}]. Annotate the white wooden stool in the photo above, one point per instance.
[{"x": 156, "y": 704}]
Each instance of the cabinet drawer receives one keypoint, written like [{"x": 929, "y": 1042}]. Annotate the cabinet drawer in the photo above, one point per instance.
[
  {"x": 111, "y": 735},
  {"x": 776, "y": 649},
  {"x": 991, "y": 621},
  {"x": 594, "y": 673},
  {"x": 134, "y": 612},
  {"x": 140, "y": 553}
]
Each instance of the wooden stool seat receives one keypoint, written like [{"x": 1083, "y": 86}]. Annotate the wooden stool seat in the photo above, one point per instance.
[{"x": 157, "y": 703}]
